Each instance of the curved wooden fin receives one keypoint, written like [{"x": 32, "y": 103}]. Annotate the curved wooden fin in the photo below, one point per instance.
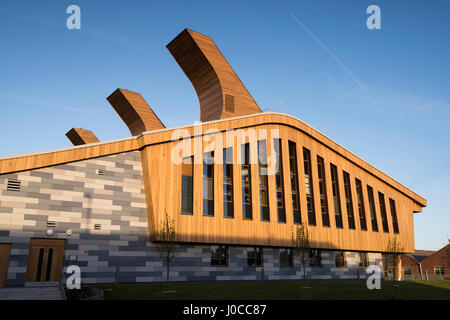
[
  {"x": 79, "y": 136},
  {"x": 220, "y": 91},
  {"x": 134, "y": 111}
]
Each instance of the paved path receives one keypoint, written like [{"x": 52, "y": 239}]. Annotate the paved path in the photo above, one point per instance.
[{"x": 35, "y": 293}]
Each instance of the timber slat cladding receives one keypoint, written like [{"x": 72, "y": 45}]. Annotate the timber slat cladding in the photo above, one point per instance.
[
  {"x": 79, "y": 136},
  {"x": 39, "y": 160},
  {"x": 212, "y": 77}
]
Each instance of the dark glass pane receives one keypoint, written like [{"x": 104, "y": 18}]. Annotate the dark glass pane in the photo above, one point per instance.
[{"x": 49, "y": 264}]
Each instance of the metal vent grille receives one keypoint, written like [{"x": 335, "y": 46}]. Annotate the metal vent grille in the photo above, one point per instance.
[
  {"x": 51, "y": 224},
  {"x": 229, "y": 103},
  {"x": 97, "y": 226},
  {"x": 13, "y": 185},
  {"x": 100, "y": 172}
]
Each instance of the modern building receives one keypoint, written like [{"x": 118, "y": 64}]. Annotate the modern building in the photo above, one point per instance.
[
  {"x": 236, "y": 186},
  {"x": 423, "y": 264}
]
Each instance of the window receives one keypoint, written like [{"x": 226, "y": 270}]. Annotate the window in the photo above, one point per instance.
[
  {"x": 349, "y": 201},
  {"x": 309, "y": 187},
  {"x": 336, "y": 196},
  {"x": 362, "y": 212},
  {"x": 228, "y": 210},
  {"x": 187, "y": 173},
  {"x": 363, "y": 260},
  {"x": 323, "y": 192},
  {"x": 406, "y": 271},
  {"x": 373, "y": 214},
  {"x": 383, "y": 212},
  {"x": 219, "y": 256},
  {"x": 439, "y": 270},
  {"x": 208, "y": 184},
  {"x": 314, "y": 258},
  {"x": 286, "y": 258},
  {"x": 263, "y": 181},
  {"x": 394, "y": 216},
  {"x": 255, "y": 256},
  {"x": 294, "y": 182},
  {"x": 340, "y": 259},
  {"x": 279, "y": 183},
  {"x": 246, "y": 182}
]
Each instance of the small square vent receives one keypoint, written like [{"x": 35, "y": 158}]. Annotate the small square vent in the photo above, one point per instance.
[
  {"x": 13, "y": 185},
  {"x": 51, "y": 224},
  {"x": 229, "y": 103},
  {"x": 97, "y": 226}
]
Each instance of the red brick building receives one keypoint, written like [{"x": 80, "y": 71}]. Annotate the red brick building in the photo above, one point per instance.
[{"x": 423, "y": 263}]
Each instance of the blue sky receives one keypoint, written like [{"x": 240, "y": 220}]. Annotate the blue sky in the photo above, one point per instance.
[{"x": 383, "y": 94}]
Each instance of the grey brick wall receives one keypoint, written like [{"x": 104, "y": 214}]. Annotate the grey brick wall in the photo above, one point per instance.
[{"x": 76, "y": 197}]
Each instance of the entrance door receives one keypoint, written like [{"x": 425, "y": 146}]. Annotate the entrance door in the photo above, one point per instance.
[
  {"x": 45, "y": 260},
  {"x": 5, "y": 250}
]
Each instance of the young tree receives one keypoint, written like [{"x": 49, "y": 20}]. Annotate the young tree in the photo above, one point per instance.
[
  {"x": 167, "y": 248},
  {"x": 394, "y": 250},
  {"x": 301, "y": 243}
]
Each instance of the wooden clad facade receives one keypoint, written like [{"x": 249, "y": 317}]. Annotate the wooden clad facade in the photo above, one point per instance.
[{"x": 163, "y": 189}]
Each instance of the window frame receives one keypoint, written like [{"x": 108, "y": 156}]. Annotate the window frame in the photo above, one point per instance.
[
  {"x": 228, "y": 182},
  {"x": 307, "y": 168},
  {"x": 223, "y": 251},
  {"x": 191, "y": 200},
  {"x": 316, "y": 258},
  {"x": 295, "y": 191},
  {"x": 289, "y": 258},
  {"x": 263, "y": 181},
  {"x": 258, "y": 260},
  {"x": 210, "y": 180},
  {"x": 279, "y": 180},
  {"x": 323, "y": 192},
  {"x": 344, "y": 260}
]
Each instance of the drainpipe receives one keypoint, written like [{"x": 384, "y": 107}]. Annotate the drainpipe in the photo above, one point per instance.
[{"x": 420, "y": 271}]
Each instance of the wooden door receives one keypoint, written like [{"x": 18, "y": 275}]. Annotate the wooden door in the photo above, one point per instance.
[
  {"x": 5, "y": 249},
  {"x": 45, "y": 260}
]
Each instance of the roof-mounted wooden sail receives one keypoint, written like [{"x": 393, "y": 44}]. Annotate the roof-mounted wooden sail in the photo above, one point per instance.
[
  {"x": 220, "y": 91},
  {"x": 134, "y": 111},
  {"x": 79, "y": 136}
]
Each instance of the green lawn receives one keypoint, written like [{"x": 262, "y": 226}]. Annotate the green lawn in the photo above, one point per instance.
[{"x": 284, "y": 290}]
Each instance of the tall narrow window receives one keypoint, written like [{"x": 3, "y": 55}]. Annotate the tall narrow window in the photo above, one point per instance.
[
  {"x": 263, "y": 181},
  {"x": 323, "y": 192},
  {"x": 314, "y": 258},
  {"x": 286, "y": 257},
  {"x": 294, "y": 182},
  {"x": 340, "y": 259},
  {"x": 246, "y": 182},
  {"x": 255, "y": 256},
  {"x": 279, "y": 183},
  {"x": 208, "y": 184},
  {"x": 383, "y": 212},
  {"x": 363, "y": 260},
  {"x": 187, "y": 183},
  {"x": 394, "y": 215},
  {"x": 362, "y": 212},
  {"x": 309, "y": 187},
  {"x": 228, "y": 210},
  {"x": 373, "y": 213},
  {"x": 349, "y": 201},
  {"x": 219, "y": 255},
  {"x": 336, "y": 196}
]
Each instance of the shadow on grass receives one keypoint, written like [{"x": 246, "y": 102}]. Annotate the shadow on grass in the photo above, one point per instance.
[{"x": 280, "y": 290}]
